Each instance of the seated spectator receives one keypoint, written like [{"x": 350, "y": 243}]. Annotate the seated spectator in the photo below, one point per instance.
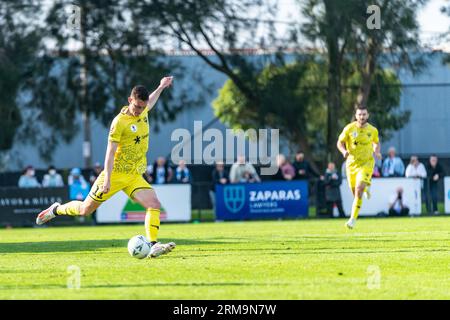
[
  {"x": 396, "y": 205},
  {"x": 393, "y": 166},
  {"x": 28, "y": 179},
  {"x": 285, "y": 170},
  {"x": 161, "y": 173},
  {"x": 416, "y": 169},
  {"x": 332, "y": 181},
  {"x": 303, "y": 170},
  {"x": 219, "y": 176},
  {"x": 95, "y": 172},
  {"x": 52, "y": 179},
  {"x": 182, "y": 173},
  {"x": 148, "y": 174},
  {"x": 78, "y": 187},
  {"x": 243, "y": 172}
]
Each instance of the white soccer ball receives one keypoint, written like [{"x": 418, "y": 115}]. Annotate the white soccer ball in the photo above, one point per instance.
[{"x": 138, "y": 247}]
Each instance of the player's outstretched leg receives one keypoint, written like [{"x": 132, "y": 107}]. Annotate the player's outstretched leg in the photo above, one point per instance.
[
  {"x": 148, "y": 199},
  {"x": 72, "y": 208},
  {"x": 356, "y": 207}
]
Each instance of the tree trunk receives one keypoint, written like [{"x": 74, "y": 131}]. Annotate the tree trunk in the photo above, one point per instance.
[
  {"x": 367, "y": 71},
  {"x": 87, "y": 145}
]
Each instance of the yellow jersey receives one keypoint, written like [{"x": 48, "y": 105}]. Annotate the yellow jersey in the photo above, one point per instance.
[
  {"x": 359, "y": 142},
  {"x": 132, "y": 134}
]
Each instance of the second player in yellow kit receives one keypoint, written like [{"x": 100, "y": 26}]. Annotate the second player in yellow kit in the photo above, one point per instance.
[
  {"x": 360, "y": 161},
  {"x": 358, "y": 143}
]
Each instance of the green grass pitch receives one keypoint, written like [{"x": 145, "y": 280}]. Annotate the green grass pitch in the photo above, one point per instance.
[{"x": 393, "y": 258}]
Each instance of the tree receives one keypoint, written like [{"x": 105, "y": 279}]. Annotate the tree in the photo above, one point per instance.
[
  {"x": 18, "y": 46},
  {"x": 214, "y": 30},
  {"x": 294, "y": 99},
  {"x": 99, "y": 54},
  {"x": 342, "y": 29}
]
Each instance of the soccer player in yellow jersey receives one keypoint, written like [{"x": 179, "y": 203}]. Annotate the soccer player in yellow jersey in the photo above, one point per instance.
[
  {"x": 125, "y": 162},
  {"x": 358, "y": 143}
]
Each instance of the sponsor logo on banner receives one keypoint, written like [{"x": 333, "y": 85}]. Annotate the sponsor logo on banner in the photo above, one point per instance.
[
  {"x": 234, "y": 197},
  {"x": 135, "y": 212}
]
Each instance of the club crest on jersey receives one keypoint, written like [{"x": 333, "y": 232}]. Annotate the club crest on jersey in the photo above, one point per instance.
[
  {"x": 133, "y": 128},
  {"x": 354, "y": 134}
]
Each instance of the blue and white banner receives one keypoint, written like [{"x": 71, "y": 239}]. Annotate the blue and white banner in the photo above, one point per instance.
[{"x": 267, "y": 200}]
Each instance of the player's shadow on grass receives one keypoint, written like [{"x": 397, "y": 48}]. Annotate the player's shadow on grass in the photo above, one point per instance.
[{"x": 87, "y": 245}]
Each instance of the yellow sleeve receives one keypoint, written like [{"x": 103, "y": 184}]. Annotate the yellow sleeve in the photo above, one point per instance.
[
  {"x": 115, "y": 133},
  {"x": 343, "y": 135},
  {"x": 375, "y": 136}
]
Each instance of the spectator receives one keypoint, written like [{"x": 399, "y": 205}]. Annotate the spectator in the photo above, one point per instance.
[
  {"x": 148, "y": 174},
  {"x": 161, "y": 173},
  {"x": 377, "y": 168},
  {"x": 285, "y": 170},
  {"x": 435, "y": 174},
  {"x": 242, "y": 172},
  {"x": 78, "y": 187},
  {"x": 416, "y": 169},
  {"x": 28, "y": 179},
  {"x": 219, "y": 176},
  {"x": 95, "y": 172},
  {"x": 332, "y": 183},
  {"x": 182, "y": 173},
  {"x": 303, "y": 170},
  {"x": 396, "y": 205},
  {"x": 52, "y": 179},
  {"x": 393, "y": 166}
]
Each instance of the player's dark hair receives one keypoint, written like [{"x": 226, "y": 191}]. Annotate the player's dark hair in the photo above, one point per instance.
[
  {"x": 360, "y": 107},
  {"x": 140, "y": 92}
]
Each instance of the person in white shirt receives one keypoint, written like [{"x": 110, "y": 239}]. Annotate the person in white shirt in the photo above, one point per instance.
[{"x": 416, "y": 169}]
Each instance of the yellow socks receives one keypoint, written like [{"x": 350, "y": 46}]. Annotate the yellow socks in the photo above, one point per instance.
[
  {"x": 357, "y": 202},
  {"x": 71, "y": 208},
  {"x": 152, "y": 224}
]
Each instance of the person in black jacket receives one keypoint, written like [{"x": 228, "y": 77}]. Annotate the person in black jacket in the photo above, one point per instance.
[
  {"x": 332, "y": 181},
  {"x": 303, "y": 170},
  {"x": 219, "y": 176},
  {"x": 435, "y": 173},
  {"x": 162, "y": 173}
]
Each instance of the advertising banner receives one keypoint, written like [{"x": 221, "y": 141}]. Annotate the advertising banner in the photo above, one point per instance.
[
  {"x": 382, "y": 191},
  {"x": 267, "y": 200},
  {"x": 175, "y": 202},
  {"x": 20, "y": 206}
]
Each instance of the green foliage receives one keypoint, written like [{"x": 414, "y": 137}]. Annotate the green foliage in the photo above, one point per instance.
[
  {"x": 293, "y": 99},
  {"x": 18, "y": 44},
  {"x": 119, "y": 55},
  {"x": 384, "y": 102}
]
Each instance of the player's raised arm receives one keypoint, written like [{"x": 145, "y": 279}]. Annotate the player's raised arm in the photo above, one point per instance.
[
  {"x": 153, "y": 97},
  {"x": 109, "y": 162}
]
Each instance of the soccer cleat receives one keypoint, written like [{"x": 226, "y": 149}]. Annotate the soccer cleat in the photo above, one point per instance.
[
  {"x": 350, "y": 224},
  {"x": 159, "y": 249},
  {"x": 47, "y": 214}
]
